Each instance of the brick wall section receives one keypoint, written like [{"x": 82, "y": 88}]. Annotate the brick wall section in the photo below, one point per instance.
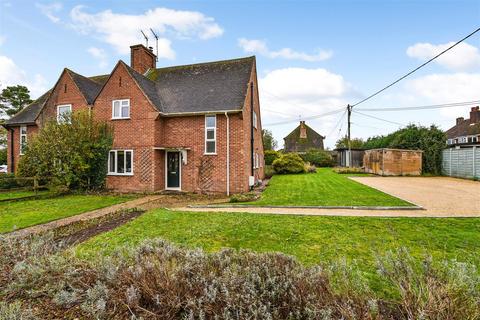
[
  {"x": 65, "y": 92},
  {"x": 136, "y": 133},
  {"x": 31, "y": 131}
]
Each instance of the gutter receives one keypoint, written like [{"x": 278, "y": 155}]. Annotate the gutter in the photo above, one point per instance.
[
  {"x": 228, "y": 154},
  {"x": 176, "y": 114}
]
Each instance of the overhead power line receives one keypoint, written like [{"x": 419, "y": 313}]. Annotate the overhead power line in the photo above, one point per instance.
[
  {"x": 305, "y": 118},
  {"x": 416, "y": 69},
  {"x": 381, "y": 119},
  {"x": 433, "y": 106}
]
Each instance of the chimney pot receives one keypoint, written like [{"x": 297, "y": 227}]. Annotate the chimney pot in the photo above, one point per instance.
[
  {"x": 459, "y": 120},
  {"x": 474, "y": 115}
]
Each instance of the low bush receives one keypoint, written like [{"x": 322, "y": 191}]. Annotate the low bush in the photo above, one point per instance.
[
  {"x": 270, "y": 156},
  {"x": 346, "y": 170},
  {"x": 289, "y": 163},
  {"x": 157, "y": 280},
  {"x": 244, "y": 197},
  {"x": 269, "y": 171},
  {"x": 319, "y": 158},
  {"x": 310, "y": 168},
  {"x": 8, "y": 181}
]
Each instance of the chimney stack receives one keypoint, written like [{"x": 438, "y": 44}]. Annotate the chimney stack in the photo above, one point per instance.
[
  {"x": 459, "y": 120},
  {"x": 303, "y": 130},
  {"x": 475, "y": 115},
  {"x": 142, "y": 58}
]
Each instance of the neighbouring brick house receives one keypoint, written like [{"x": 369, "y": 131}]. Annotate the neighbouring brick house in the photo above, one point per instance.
[
  {"x": 465, "y": 131},
  {"x": 303, "y": 138},
  {"x": 189, "y": 127}
]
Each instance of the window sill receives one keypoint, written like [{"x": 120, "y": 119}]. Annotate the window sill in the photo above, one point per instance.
[
  {"x": 120, "y": 174},
  {"x": 120, "y": 118},
  {"x": 210, "y": 154}
]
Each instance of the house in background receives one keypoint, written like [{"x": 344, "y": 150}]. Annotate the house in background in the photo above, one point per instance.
[
  {"x": 194, "y": 128},
  {"x": 303, "y": 138},
  {"x": 465, "y": 131}
]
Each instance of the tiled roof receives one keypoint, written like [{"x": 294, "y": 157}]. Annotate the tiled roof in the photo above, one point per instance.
[
  {"x": 196, "y": 88},
  {"x": 464, "y": 128}
]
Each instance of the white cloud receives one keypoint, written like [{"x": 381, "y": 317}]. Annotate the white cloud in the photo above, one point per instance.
[
  {"x": 463, "y": 57},
  {"x": 123, "y": 30},
  {"x": 50, "y": 10},
  {"x": 286, "y": 94},
  {"x": 11, "y": 74},
  {"x": 260, "y": 47},
  {"x": 100, "y": 55},
  {"x": 445, "y": 88}
]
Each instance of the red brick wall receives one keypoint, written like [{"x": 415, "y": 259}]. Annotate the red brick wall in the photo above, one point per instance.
[
  {"x": 31, "y": 131},
  {"x": 65, "y": 92},
  {"x": 136, "y": 133}
]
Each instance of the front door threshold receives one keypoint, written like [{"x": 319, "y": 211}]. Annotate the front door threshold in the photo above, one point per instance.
[{"x": 172, "y": 192}]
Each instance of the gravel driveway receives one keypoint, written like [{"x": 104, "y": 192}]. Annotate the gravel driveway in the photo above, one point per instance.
[{"x": 439, "y": 196}]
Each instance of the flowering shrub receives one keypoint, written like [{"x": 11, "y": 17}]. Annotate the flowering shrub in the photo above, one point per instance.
[{"x": 160, "y": 280}]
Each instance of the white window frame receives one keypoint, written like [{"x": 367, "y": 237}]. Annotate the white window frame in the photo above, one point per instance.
[
  {"x": 120, "y": 101},
  {"x": 214, "y": 139},
  {"x": 124, "y": 173},
  {"x": 255, "y": 120},
  {"x": 23, "y": 135},
  {"x": 59, "y": 119}
]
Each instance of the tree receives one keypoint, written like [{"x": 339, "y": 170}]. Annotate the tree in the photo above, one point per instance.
[
  {"x": 70, "y": 154},
  {"x": 269, "y": 143},
  {"x": 13, "y": 99},
  {"x": 356, "y": 143}
]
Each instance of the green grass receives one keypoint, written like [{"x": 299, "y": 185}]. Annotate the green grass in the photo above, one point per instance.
[
  {"x": 324, "y": 188},
  {"x": 7, "y": 195},
  {"x": 312, "y": 239},
  {"x": 25, "y": 213}
]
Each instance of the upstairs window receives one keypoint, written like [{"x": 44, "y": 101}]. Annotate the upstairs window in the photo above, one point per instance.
[
  {"x": 23, "y": 139},
  {"x": 255, "y": 119},
  {"x": 120, "y": 162},
  {"x": 121, "y": 109},
  {"x": 211, "y": 134},
  {"x": 64, "y": 113}
]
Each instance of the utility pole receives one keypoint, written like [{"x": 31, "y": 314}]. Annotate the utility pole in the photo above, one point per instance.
[{"x": 349, "y": 111}]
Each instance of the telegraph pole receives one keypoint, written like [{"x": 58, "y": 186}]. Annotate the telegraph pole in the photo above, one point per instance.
[{"x": 349, "y": 111}]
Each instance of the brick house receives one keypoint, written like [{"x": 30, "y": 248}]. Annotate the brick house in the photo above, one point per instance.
[
  {"x": 194, "y": 128},
  {"x": 465, "y": 131},
  {"x": 303, "y": 138}
]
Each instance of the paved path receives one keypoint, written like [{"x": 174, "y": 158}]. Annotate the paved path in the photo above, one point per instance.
[{"x": 440, "y": 196}]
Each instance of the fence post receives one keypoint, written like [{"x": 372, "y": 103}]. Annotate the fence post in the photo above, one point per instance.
[{"x": 35, "y": 185}]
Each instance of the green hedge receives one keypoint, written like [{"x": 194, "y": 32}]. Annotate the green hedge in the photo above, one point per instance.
[{"x": 289, "y": 163}]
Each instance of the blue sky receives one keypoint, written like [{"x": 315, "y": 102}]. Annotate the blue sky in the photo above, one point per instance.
[{"x": 312, "y": 57}]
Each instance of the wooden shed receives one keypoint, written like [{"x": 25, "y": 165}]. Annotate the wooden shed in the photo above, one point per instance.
[
  {"x": 343, "y": 158},
  {"x": 393, "y": 162}
]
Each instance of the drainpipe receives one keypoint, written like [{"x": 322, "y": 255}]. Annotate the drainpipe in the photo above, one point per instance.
[
  {"x": 12, "y": 157},
  {"x": 228, "y": 153},
  {"x": 251, "y": 131}
]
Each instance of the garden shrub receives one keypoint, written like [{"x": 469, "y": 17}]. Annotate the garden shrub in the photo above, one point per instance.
[
  {"x": 244, "y": 197},
  {"x": 8, "y": 181},
  {"x": 310, "y": 168},
  {"x": 159, "y": 280},
  {"x": 72, "y": 155},
  {"x": 269, "y": 171},
  {"x": 319, "y": 158},
  {"x": 270, "y": 156},
  {"x": 347, "y": 170},
  {"x": 289, "y": 163}
]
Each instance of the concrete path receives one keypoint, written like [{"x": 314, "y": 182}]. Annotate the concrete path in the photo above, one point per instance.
[{"x": 439, "y": 196}]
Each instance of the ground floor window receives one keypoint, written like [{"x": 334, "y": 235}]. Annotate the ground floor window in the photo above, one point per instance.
[{"x": 120, "y": 162}]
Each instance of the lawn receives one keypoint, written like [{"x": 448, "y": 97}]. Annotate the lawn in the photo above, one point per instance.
[
  {"x": 7, "y": 195},
  {"x": 312, "y": 239},
  {"x": 25, "y": 213},
  {"x": 324, "y": 188}
]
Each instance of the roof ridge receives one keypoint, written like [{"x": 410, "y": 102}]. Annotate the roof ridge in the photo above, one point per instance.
[{"x": 206, "y": 63}]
